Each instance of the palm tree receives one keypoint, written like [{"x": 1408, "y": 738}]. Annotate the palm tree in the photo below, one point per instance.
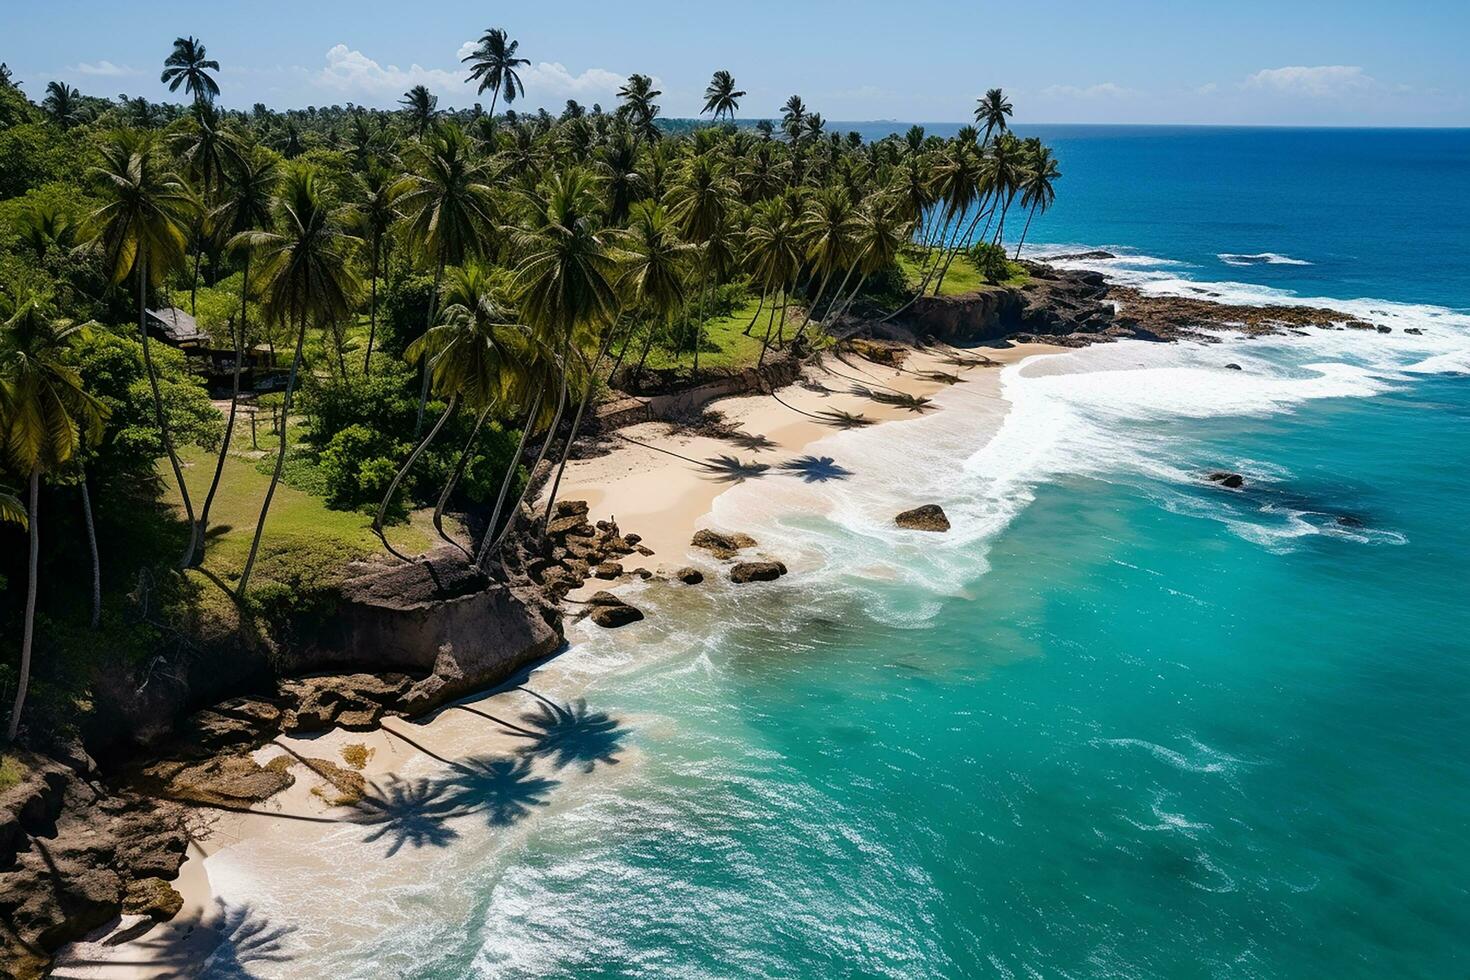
[
  {"x": 991, "y": 111},
  {"x": 720, "y": 97},
  {"x": 203, "y": 150},
  {"x": 494, "y": 65},
  {"x": 882, "y": 229},
  {"x": 622, "y": 181},
  {"x": 699, "y": 204},
  {"x": 827, "y": 228},
  {"x": 372, "y": 218},
  {"x": 1006, "y": 168},
  {"x": 45, "y": 413},
  {"x": 141, "y": 229},
  {"x": 304, "y": 275},
  {"x": 62, "y": 104},
  {"x": 654, "y": 262},
  {"x": 773, "y": 249},
  {"x": 638, "y": 94},
  {"x": 422, "y": 106},
  {"x": 564, "y": 281},
  {"x": 793, "y": 119},
  {"x": 448, "y": 210},
  {"x": 188, "y": 66},
  {"x": 250, "y": 187},
  {"x": 1038, "y": 189}
]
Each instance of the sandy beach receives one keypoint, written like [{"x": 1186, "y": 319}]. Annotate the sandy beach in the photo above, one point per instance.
[{"x": 658, "y": 482}]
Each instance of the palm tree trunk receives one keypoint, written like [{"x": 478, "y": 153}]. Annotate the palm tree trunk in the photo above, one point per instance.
[
  {"x": 28, "y": 635},
  {"x": 811, "y": 307},
  {"x": 168, "y": 443},
  {"x": 510, "y": 474},
  {"x": 759, "y": 307},
  {"x": 1000, "y": 228},
  {"x": 494, "y": 97},
  {"x": 92, "y": 549},
  {"x": 980, "y": 210},
  {"x": 418, "y": 424},
  {"x": 194, "y": 285},
  {"x": 280, "y": 458},
  {"x": 699, "y": 324},
  {"x": 1024, "y": 229},
  {"x": 566, "y": 452},
  {"x": 403, "y": 471},
  {"x": 459, "y": 468},
  {"x": 561, "y": 403},
  {"x": 770, "y": 320},
  {"x": 836, "y": 295},
  {"x": 224, "y": 448},
  {"x": 367, "y": 359},
  {"x": 853, "y": 295},
  {"x": 643, "y": 357}
]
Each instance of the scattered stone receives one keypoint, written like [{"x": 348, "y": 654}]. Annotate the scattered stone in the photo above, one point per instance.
[
  {"x": 1384, "y": 329},
  {"x": 644, "y": 550},
  {"x": 642, "y": 573},
  {"x": 1232, "y": 367},
  {"x": 611, "y": 617},
  {"x": 563, "y": 526},
  {"x": 152, "y": 897},
  {"x": 633, "y": 539},
  {"x": 602, "y": 597},
  {"x": 757, "y": 571},
  {"x": 929, "y": 517},
  {"x": 1233, "y": 481},
  {"x": 1348, "y": 520},
  {"x": 608, "y": 570},
  {"x": 722, "y": 545},
  {"x": 571, "y": 508},
  {"x": 1413, "y": 330},
  {"x": 689, "y": 575}
]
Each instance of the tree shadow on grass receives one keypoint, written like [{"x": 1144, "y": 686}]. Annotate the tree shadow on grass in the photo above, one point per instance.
[
  {"x": 572, "y": 735},
  {"x": 816, "y": 469}
]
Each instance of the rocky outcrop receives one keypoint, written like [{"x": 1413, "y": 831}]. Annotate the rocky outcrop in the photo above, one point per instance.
[
  {"x": 756, "y": 571},
  {"x": 689, "y": 575},
  {"x": 929, "y": 517},
  {"x": 1224, "y": 478},
  {"x": 722, "y": 544}
]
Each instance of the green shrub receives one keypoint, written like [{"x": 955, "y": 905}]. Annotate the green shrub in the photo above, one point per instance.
[{"x": 991, "y": 261}]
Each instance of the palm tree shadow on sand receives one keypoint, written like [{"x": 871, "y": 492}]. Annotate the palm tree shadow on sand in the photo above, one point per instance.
[
  {"x": 816, "y": 469},
  {"x": 729, "y": 469},
  {"x": 228, "y": 943},
  {"x": 501, "y": 790},
  {"x": 571, "y": 735},
  {"x": 753, "y": 441},
  {"x": 408, "y": 812}
]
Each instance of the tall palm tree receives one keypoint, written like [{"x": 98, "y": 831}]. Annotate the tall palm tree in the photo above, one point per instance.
[
  {"x": 564, "y": 281},
  {"x": 449, "y": 212},
  {"x": 245, "y": 206},
  {"x": 62, "y": 104},
  {"x": 141, "y": 227},
  {"x": 372, "y": 218},
  {"x": 721, "y": 97},
  {"x": 793, "y": 119},
  {"x": 699, "y": 204},
  {"x": 203, "y": 150},
  {"x": 881, "y": 231},
  {"x": 45, "y": 413},
  {"x": 654, "y": 262},
  {"x": 622, "y": 181},
  {"x": 638, "y": 94},
  {"x": 1038, "y": 185},
  {"x": 991, "y": 111},
  {"x": 493, "y": 64},
  {"x": 828, "y": 229},
  {"x": 304, "y": 276},
  {"x": 422, "y": 106},
  {"x": 773, "y": 249},
  {"x": 1006, "y": 168},
  {"x": 189, "y": 66}
]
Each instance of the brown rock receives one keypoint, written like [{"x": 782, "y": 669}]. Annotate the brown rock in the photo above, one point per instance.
[
  {"x": 232, "y": 780},
  {"x": 152, "y": 897},
  {"x": 608, "y": 570},
  {"x": 689, "y": 576},
  {"x": 632, "y": 539},
  {"x": 929, "y": 517},
  {"x": 757, "y": 571},
  {"x": 611, "y": 617},
  {"x": 722, "y": 545}
]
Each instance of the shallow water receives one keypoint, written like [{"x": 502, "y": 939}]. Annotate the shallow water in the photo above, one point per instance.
[{"x": 1118, "y": 722}]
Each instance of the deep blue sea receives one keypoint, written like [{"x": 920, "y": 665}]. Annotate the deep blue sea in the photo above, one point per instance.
[{"x": 1119, "y": 722}]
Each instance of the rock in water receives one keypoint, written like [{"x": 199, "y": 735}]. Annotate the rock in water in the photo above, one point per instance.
[
  {"x": 1234, "y": 481},
  {"x": 689, "y": 576},
  {"x": 1232, "y": 367},
  {"x": 722, "y": 545},
  {"x": 930, "y": 517},
  {"x": 611, "y": 617},
  {"x": 757, "y": 571}
]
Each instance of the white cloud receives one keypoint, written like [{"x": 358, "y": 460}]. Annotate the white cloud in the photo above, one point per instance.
[
  {"x": 1102, "y": 90},
  {"x": 351, "y": 72},
  {"x": 101, "y": 69},
  {"x": 549, "y": 82},
  {"x": 1320, "y": 81}
]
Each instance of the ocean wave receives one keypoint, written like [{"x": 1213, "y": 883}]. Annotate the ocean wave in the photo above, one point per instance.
[{"x": 1259, "y": 258}]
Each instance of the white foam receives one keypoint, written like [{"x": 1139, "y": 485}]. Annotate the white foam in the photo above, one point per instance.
[{"x": 1259, "y": 258}]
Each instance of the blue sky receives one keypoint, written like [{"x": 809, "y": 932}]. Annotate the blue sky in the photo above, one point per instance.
[{"x": 1286, "y": 62}]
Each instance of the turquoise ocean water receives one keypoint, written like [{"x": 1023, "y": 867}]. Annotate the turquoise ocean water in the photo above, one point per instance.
[{"x": 1118, "y": 723}]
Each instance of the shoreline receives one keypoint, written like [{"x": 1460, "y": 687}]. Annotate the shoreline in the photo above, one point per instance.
[{"x": 657, "y": 481}]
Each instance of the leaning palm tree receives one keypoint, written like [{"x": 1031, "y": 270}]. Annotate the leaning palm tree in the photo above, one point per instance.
[
  {"x": 45, "y": 413},
  {"x": 991, "y": 111},
  {"x": 188, "y": 65},
  {"x": 638, "y": 94},
  {"x": 62, "y": 104},
  {"x": 422, "y": 106},
  {"x": 141, "y": 227},
  {"x": 305, "y": 275},
  {"x": 654, "y": 262},
  {"x": 564, "y": 281},
  {"x": 1038, "y": 189},
  {"x": 699, "y": 204},
  {"x": 827, "y": 228},
  {"x": 881, "y": 231},
  {"x": 449, "y": 212},
  {"x": 249, "y": 191},
  {"x": 721, "y": 97},
  {"x": 372, "y": 218},
  {"x": 1006, "y": 168},
  {"x": 493, "y": 64},
  {"x": 774, "y": 252}
]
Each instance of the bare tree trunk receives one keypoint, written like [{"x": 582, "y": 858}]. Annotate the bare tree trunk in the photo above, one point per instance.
[
  {"x": 418, "y": 423},
  {"x": 280, "y": 458},
  {"x": 367, "y": 359},
  {"x": 515, "y": 462},
  {"x": 510, "y": 521},
  {"x": 168, "y": 442},
  {"x": 811, "y": 307},
  {"x": 403, "y": 471},
  {"x": 566, "y": 452},
  {"x": 92, "y": 549},
  {"x": 1024, "y": 229},
  {"x": 453, "y": 481},
  {"x": 766, "y": 340},
  {"x": 24, "y": 680},
  {"x": 224, "y": 448},
  {"x": 762, "y": 305}
]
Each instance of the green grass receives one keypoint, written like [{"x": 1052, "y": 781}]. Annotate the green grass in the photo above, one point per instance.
[
  {"x": 725, "y": 345},
  {"x": 962, "y": 277},
  {"x": 12, "y": 771}
]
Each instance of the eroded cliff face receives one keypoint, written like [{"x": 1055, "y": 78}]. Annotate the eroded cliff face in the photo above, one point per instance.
[{"x": 1053, "y": 304}]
